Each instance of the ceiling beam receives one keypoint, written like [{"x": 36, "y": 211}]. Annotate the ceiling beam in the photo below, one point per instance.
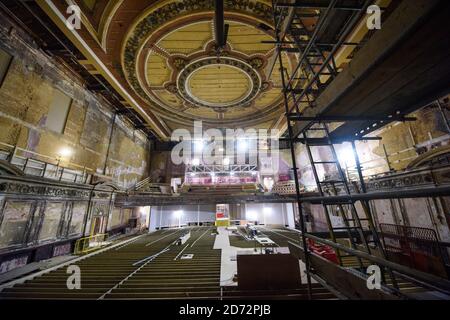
[{"x": 220, "y": 28}]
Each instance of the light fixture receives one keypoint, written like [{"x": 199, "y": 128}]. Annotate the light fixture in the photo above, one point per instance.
[
  {"x": 198, "y": 145},
  {"x": 226, "y": 161},
  {"x": 251, "y": 215},
  {"x": 192, "y": 174},
  {"x": 346, "y": 156},
  {"x": 242, "y": 145},
  {"x": 178, "y": 213},
  {"x": 65, "y": 152},
  {"x": 195, "y": 162}
]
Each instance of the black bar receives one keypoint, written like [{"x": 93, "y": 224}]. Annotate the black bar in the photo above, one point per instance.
[
  {"x": 435, "y": 281},
  {"x": 350, "y": 118},
  {"x": 325, "y": 141},
  {"x": 294, "y": 164},
  {"x": 143, "y": 199},
  {"x": 394, "y": 194},
  {"x": 303, "y": 43},
  {"x": 219, "y": 23},
  {"x": 316, "y": 6},
  {"x": 290, "y": 50}
]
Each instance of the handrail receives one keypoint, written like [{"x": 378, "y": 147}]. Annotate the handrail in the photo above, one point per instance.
[
  {"x": 44, "y": 156},
  {"x": 91, "y": 243},
  {"x": 424, "y": 279},
  {"x": 57, "y": 171},
  {"x": 140, "y": 184}
]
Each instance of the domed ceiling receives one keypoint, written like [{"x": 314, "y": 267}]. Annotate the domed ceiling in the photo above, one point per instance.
[
  {"x": 170, "y": 60},
  {"x": 165, "y": 55}
]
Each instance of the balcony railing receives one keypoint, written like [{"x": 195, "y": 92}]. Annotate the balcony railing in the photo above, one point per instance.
[{"x": 39, "y": 165}]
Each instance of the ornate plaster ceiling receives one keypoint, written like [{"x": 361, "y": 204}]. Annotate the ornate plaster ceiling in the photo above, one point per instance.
[
  {"x": 170, "y": 61},
  {"x": 164, "y": 54}
]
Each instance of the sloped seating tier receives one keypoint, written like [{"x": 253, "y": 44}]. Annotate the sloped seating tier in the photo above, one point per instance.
[{"x": 115, "y": 273}]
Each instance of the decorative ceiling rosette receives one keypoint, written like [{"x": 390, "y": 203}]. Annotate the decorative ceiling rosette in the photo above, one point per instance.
[{"x": 170, "y": 61}]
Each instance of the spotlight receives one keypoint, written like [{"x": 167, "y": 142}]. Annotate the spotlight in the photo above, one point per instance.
[
  {"x": 251, "y": 215},
  {"x": 65, "y": 152},
  {"x": 198, "y": 145},
  {"x": 346, "y": 156},
  {"x": 195, "y": 162},
  {"x": 178, "y": 213},
  {"x": 242, "y": 145},
  {"x": 226, "y": 161}
]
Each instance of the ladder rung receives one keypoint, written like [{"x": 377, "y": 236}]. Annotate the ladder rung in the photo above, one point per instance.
[
  {"x": 331, "y": 181},
  {"x": 290, "y": 49},
  {"x": 338, "y": 203},
  {"x": 325, "y": 162},
  {"x": 298, "y": 32},
  {"x": 346, "y": 228},
  {"x": 306, "y": 15}
]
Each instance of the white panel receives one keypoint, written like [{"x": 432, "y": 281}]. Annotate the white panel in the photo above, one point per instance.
[
  {"x": 57, "y": 114},
  {"x": 190, "y": 214},
  {"x": 290, "y": 215},
  {"x": 154, "y": 219},
  {"x": 265, "y": 213}
]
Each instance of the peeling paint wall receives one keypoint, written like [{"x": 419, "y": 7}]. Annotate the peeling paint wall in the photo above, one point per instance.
[{"x": 25, "y": 97}]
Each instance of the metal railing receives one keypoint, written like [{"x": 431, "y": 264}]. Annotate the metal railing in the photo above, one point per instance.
[
  {"x": 420, "y": 278},
  {"x": 36, "y": 164},
  {"x": 140, "y": 184},
  {"x": 415, "y": 247},
  {"x": 247, "y": 168},
  {"x": 91, "y": 243}
]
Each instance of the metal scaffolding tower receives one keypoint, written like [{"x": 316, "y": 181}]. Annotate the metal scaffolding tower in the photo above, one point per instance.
[{"x": 315, "y": 68}]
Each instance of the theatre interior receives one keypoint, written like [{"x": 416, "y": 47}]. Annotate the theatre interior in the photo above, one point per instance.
[{"x": 224, "y": 149}]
